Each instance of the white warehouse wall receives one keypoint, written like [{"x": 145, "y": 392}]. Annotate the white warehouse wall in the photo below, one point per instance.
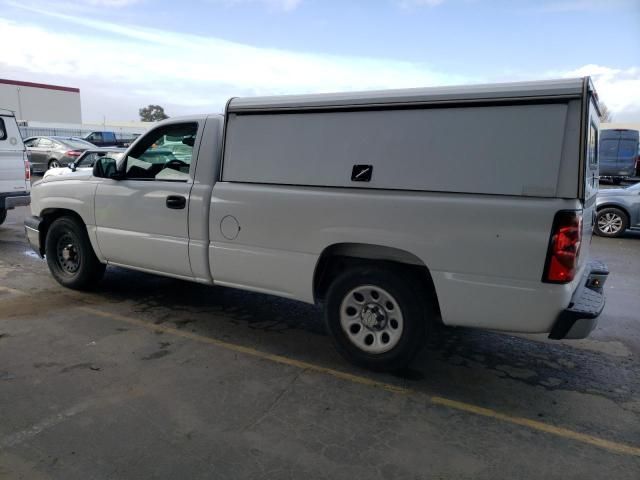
[{"x": 40, "y": 102}]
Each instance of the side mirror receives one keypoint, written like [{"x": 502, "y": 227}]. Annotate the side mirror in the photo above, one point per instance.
[
  {"x": 72, "y": 166},
  {"x": 106, "y": 167}
]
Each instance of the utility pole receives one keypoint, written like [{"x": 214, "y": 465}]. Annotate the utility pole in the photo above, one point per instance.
[{"x": 19, "y": 104}]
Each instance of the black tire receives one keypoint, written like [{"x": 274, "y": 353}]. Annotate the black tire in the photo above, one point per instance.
[
  {"x": 81, "y": 270},
  {"x": 50, "y": 165},
  {"x": 3, "y": 215},
  {"x": 410, "y": 299},
  {"x": 611, "y": 222}
]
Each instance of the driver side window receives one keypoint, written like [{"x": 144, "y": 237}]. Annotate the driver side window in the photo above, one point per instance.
[{"x": 164, "y": 154}]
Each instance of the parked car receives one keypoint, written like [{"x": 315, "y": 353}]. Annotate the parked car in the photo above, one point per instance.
[
  {"x": 15, "y": 176},
  {"x": 369, "y": 203},
  {"x": 54, "y": 151},
  {"x": 618, "y": 154},
  {"x": 110, "y": 139},
  {"x": 618, "y": 210},
  {"x": 85, "y": 161}
]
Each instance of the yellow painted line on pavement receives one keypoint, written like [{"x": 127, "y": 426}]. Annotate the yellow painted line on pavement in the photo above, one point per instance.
[
  {"x": 612, "y": 446},
  {"x": 541, "y": 426},
  {"x": 249, "y": 351}
]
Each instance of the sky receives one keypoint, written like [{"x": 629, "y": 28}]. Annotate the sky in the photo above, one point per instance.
[{"x": 190, "y": 56}]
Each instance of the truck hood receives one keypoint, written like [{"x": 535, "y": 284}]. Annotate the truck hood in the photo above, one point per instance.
[{"x": 65, "y": 173}]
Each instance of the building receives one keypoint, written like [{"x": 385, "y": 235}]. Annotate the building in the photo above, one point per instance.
[{"x": 41, "y": 102}]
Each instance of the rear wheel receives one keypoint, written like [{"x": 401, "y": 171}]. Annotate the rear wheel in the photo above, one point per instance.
[
  {"x": 377, "y": 317},
  {"x": 611, "y": 222},
  {"x": 70, "y": 256},
  {"x": 53, "y": 163},
  {"x": 3, "y": 215}
]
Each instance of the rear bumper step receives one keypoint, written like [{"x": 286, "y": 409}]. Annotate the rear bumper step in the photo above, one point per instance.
[
  {"x": 581, "y": 316},
  {"x": 14, "y": 200}
]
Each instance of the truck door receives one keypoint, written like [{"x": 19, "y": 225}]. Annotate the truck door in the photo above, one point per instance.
[{"x": 142, "y": 220}]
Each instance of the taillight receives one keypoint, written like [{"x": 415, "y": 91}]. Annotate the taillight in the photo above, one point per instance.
[
  {"x": 564, "y": 247},
  {"x": 73, "y": 153},
  {"x": 27, "y": 167}
]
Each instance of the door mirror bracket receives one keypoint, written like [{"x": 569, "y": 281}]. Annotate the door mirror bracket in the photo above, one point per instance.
[{"x": 106, "y": 167}]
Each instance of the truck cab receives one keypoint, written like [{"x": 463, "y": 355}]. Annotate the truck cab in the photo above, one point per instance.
[{"x": 102, "y": 139}]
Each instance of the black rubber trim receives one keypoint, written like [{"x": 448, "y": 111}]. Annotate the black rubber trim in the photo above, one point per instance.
[
  {"x": 407, "y": 105},
  {"x": 5, "y": 195},
  {"x": 14, "y": 194}
]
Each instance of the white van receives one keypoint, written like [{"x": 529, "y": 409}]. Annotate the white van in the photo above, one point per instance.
[
  {"x": 469, "y": 205},
  {"x": 15, "y": 177}
]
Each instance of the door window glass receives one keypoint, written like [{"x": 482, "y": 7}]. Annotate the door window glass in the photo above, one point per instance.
[
  {"x": 45, "y": 143},
  {"x": 592, "y": 148},
  {"x": 163, "y": 154}
]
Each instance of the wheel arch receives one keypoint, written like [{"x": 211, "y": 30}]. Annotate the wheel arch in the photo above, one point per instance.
[
  {"x": 614, "y": 205},
  {"x": 336, "y": 257},
  {"x": 49, "y": 215}
]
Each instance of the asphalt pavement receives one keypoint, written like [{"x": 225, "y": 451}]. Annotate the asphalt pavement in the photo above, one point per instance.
[{"x": 149, "y": 377}]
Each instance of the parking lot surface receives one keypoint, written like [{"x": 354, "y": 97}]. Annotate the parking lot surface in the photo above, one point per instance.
[{"x": 150, "y": 377}]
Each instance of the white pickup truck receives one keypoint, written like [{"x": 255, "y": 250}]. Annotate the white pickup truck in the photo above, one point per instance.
[{"x": 472, "y": 206}]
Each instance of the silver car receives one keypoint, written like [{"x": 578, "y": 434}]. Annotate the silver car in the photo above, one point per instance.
[
  {"x": 54, "y": 151},
  {"x": 618, "y": 210}
]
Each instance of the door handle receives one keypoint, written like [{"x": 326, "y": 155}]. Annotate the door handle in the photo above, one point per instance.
[{"x": 177, "y": 202}]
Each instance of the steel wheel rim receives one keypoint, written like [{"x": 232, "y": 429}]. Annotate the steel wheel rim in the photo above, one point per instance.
[
  {"x": 371, "y": 319},
  {"x": 68, "y": 254},
  {"x": 54, "y": 164},
  {"x": 610, "y": 223}
]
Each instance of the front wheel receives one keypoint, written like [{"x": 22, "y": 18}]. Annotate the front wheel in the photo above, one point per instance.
[
  {"x": 3, "y": 215},
  {"x": 611, "y": 222},
  {"x": 377, "y": 317},
  {"x": 70, "y": 256}
]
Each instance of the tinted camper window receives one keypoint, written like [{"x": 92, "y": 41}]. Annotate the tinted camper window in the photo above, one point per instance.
[{"x": 592, "y": 152}]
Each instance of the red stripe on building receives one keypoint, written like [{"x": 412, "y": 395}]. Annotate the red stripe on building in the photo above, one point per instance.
[{"x": 38, "y": 85}]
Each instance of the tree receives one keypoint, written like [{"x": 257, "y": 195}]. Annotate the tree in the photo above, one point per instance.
[
  {"x": 605, "y": 113},
  {"x": 152, "y": 113}
]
